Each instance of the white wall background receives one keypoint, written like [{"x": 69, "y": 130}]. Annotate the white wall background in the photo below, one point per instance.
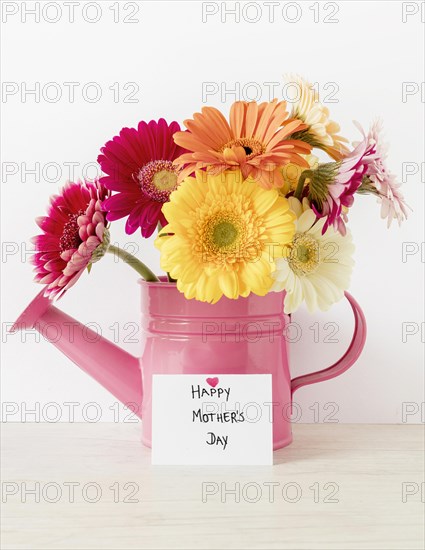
[{"x": 364, "y": 57}]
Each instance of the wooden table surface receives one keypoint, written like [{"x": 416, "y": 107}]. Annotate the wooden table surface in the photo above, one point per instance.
[{"x": 92, "y": 486}]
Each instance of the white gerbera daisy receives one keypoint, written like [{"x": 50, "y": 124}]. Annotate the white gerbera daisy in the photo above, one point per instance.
[{"x": 317, "y": 268}]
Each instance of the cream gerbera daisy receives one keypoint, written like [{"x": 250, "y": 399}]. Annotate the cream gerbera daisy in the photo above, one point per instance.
[
  {"x": 318, "y": 267},
  {"x": 223, "y": 235},
  {"x": 321, "y": 131}
]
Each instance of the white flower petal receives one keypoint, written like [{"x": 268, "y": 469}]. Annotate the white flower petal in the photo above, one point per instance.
[
  {"x": 310, "y": 294},
  {"x": 294, "y": 297},
  {"x": 305, "y": 221},
  {"x": 295, "y": 206},
  {"x": 316, "y": 228}
]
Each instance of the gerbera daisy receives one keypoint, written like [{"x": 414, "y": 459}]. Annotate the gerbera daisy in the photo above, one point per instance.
[
  {"x": 139, "y": 164},
  {"x": 332, "y": 186},
  {"x": 223, "y": 235},
  {"x": 317, "y": 268},
  {"x": 256, "y": 141},
  {"x": 320, "y": 131},
  {"x": 378, "y": 180},
  {"x": 74, "y": 236}
]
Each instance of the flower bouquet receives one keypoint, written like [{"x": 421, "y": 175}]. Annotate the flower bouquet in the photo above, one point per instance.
[
  {"x": 241, "y": 206},
  {"x": 250, "y": 224}
]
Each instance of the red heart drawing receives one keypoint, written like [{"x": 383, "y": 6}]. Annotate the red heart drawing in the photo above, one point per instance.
[{"x": 212, "y": 382}]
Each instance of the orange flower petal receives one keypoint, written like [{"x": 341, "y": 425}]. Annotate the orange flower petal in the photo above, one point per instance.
[
  {"x": 237, "y": 118},
  {"x": 216, "y": 124},
  {"x": 189, "y": 141},
  {"x": 264, "y": 122},
  {"x": 251, "y": 118}
]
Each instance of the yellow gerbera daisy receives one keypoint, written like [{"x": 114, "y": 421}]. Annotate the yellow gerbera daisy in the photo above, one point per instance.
[
  {"x": 223, "y": 236},
  {"x": 321, "y": 131}
]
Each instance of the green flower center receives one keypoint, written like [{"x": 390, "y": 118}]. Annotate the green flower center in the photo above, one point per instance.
[
  {"x": 304, "y": 256},
  {"x": 224, "y": 234}
]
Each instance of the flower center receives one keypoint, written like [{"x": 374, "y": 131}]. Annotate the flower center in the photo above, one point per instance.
[
  {"x": 70, "y": 237},
  {"x": 158, "y": 179},
  {"x": 251, "y": 146},
  {"x": 164, "y": 180},
  {"x": 304, "y": 256},
  {"x": 225, "y": 237},
  {"x": 224, "y": 234}
]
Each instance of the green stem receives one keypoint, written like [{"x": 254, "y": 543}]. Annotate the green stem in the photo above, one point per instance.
[
  {"x": 367, "y": 187},
  {"x": 169, "y": 278},
  {"x": 299, "y": 190},
  {"x": 136, "y": 264}
]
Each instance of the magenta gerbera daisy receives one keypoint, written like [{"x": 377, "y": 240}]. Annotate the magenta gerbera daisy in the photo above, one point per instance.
[
  {"x": 138, "y": 164},
  {"x": 74, "y": 236}
]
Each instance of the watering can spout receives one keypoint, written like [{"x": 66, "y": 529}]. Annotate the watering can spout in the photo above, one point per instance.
[{"x": 116, "y": 370}]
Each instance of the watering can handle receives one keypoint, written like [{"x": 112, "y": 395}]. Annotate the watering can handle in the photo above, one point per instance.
[{"x": 347, "y": 360}]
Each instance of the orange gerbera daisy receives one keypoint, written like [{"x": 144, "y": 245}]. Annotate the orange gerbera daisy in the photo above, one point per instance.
[{"x": 256, "y": 141}]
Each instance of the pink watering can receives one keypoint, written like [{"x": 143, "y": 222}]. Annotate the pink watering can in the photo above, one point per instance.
[{"x": 180, "y": 336}]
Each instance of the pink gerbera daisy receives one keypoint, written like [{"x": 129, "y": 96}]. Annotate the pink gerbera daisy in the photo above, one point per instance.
[
  {"x": 344, "y": 181},
  {"x": 256, "y": 140},
  {"x": 333, "y": 185},
  {"x": 74, "y": 236},
  {"x": 379, "y": 181},
  {"x": 139, "y": 166}
]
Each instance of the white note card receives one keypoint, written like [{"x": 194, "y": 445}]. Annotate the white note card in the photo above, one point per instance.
[{"x": 222, "y": 419}]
